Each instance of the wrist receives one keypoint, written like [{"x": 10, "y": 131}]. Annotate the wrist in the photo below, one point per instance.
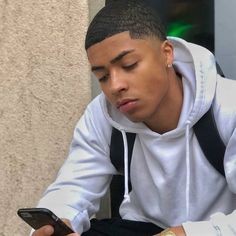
[{"x": 173, "y": 231}]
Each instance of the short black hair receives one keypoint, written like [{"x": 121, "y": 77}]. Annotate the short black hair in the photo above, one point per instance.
[{"x": 134, "y": 16}]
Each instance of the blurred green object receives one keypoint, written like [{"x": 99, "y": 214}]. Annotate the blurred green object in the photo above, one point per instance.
[{"x": 179, "y": 29}]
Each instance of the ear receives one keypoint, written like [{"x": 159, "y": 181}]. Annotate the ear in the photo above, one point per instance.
[{"x": 168, "y": 52}]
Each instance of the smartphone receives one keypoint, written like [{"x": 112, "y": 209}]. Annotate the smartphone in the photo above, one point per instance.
[{"x": 38, "y": 217}]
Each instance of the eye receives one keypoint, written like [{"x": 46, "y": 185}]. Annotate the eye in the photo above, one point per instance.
[
  {"x": 130, "y": 66},
  {"x": 103, "y": 79}
]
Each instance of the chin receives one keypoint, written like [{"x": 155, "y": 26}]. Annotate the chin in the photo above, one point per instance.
[{"x": 135, "y": 119}]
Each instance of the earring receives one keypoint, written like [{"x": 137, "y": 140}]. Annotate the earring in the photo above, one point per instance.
[{"x": 169, "y": 65}]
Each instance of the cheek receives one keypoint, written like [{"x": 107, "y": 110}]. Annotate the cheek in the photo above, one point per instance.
[
  {"x": 107, "y": 92},
  {"x": 152, "y": 73},
  {"x": 154, "y": 82},
  {"x": 104, "y": 89}
]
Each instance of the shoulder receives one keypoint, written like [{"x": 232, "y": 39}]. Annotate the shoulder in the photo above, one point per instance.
[
  {"x": 94, "y": 120},
  {"x": 225, "y": 97},
  {"x": 225, "y": 107},
  {"x": 226, "y": 92}
]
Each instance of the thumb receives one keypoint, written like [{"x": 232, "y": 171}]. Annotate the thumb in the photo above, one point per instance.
[{"x": 46, "y": 230}]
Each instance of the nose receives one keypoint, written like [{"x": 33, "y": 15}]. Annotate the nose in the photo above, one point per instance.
[{"x": 118, "y": 83}]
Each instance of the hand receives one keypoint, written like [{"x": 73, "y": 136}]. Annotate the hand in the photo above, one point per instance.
[
  {"x": 179, "y": 231},
  {"x": 48, "y": 230}
]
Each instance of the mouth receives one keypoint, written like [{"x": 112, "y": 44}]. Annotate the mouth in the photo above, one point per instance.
[{"x": 126, "y": 105}]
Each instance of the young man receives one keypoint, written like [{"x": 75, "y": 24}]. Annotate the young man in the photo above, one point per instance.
[{"x": 157, "y": 88}]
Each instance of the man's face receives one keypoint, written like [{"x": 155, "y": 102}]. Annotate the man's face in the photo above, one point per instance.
[{"x": 133, "y": 74}]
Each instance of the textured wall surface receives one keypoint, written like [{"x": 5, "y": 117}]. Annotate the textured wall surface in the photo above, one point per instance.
[
  {"x": 94, "y": 7},
  {"x": 44, "y": 87}
]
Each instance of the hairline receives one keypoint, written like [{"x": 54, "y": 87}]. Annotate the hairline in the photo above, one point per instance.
[{"x": 133, "y": 35}]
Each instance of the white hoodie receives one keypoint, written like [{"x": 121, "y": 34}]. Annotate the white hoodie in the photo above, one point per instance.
[{"x": 172, "y": 181}]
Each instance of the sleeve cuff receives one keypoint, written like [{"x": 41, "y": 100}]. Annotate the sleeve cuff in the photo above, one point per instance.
[
  {"x": 199, "y": 228},
  {"x": 79, "y": 220}
]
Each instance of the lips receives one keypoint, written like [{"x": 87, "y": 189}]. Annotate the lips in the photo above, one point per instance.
[{"x": 126, "y": 105}]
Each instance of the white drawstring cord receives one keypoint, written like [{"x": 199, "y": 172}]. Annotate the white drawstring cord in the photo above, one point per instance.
[
  {"x": 188, "y": 169},
  {"x": 126, "y": 167}
]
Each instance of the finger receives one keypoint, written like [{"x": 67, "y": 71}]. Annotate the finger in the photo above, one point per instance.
[{"x": 46, "y": 230}]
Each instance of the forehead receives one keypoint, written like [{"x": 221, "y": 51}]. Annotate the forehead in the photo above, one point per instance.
[{"x": 112, "y": 46}]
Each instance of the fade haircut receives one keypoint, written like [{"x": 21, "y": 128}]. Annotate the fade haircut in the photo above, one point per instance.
[{"x": 134, "y": 16}]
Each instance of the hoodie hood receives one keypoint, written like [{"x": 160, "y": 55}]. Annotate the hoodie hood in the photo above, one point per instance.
[{"x": 196, "y": 64}]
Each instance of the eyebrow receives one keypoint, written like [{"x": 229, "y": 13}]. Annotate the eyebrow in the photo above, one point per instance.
[{"x": 114, "y": 60}]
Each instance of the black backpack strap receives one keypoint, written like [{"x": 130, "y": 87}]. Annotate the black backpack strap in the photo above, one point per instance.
[
  {"x": 117, "y": 159},
  {"x": 210, "y": 141},
  {"x": 219, "y": 70},
  {"x": 117, "y": 149}
]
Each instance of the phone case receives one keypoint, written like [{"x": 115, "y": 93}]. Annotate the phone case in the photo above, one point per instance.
[{"x": 38, "y": 217}]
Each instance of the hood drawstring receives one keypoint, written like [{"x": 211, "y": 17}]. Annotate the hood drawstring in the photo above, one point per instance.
[
  {"x": 126, "y": 167},
  {"x": 187, "y": 168}
]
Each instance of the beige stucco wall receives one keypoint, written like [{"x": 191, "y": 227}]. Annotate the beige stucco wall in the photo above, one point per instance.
[{"x": 44, "y": 87}]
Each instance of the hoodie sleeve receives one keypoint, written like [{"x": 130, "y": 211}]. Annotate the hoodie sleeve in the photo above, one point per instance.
[
  {"x": 219, "y": 225},
  {"x": 85, "y": 176}
]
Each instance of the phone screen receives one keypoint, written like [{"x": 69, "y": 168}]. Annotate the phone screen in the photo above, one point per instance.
[{"x": 38, "y": 217}]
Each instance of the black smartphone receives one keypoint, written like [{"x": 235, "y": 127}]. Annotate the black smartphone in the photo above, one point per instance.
[{"x": 38, "y": 217}]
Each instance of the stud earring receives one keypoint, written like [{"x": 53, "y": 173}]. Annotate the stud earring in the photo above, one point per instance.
[{"x": 169, "y": 65}]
